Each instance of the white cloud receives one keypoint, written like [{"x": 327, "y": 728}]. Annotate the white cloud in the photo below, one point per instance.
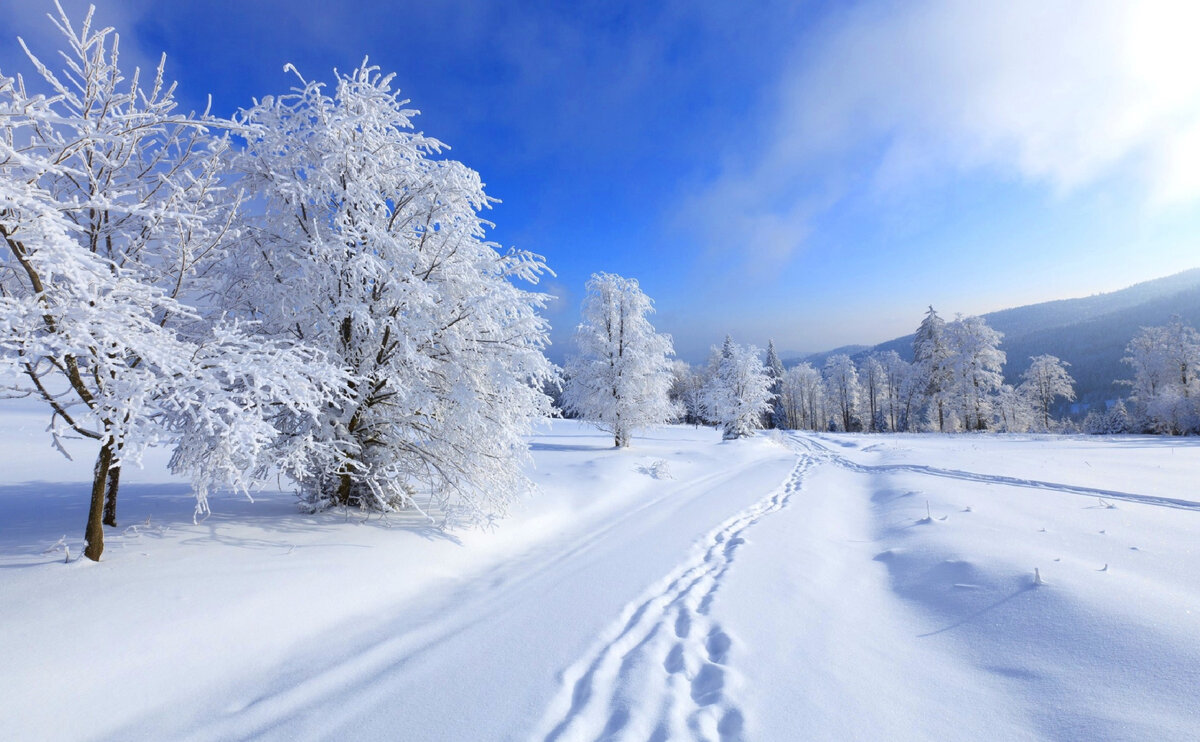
[
  {"x": 29, "y": 21},
  {"x": 1060, "y": 94}
]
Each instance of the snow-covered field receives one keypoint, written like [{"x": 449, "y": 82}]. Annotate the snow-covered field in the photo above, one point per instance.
[{"x": 783, "y": 587}]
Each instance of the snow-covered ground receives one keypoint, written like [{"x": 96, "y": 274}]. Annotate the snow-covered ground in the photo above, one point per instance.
[{"x": 783, "y": 587}]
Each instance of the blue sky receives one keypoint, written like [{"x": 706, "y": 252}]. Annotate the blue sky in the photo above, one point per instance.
[{"x": 812, "y": 172}]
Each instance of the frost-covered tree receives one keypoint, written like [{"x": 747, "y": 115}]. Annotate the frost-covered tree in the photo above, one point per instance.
[
  {"x": 1013, "y": 410},
  {"x": 778, "y": 415},
  {"x": 113, "y": 217},
  {"x": 687, "y": 391},
  {"x": 976, "y": 364},
  {"x": 739, "y": 390},
  {"x": 368, "y": 245},
  {"x": 803, "y": 395},
  {"x": 620, "y": 377},
  {"x": 842, "y": 387},
  {"x": 1166, "y": 382},
  {"x": 1044, "y": 381},
  {"x": 931, "y": 361},
  {"x": 1108, "y": 422},
  {"x": 900, "y": 391},
  {"x": 875, "y": 390}
]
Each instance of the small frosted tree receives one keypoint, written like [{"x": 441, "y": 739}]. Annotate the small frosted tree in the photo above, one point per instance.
[
  {"x": 369, "y": 246},
  {"x": 739, "y": 390},
  {"x": 1014, "y": 410},
  {"x": 621, "y": 375},
  {"x": 1044, "y": 381}
]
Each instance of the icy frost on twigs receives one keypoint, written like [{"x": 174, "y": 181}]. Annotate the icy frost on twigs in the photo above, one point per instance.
[{"x": 659, "y": 469}]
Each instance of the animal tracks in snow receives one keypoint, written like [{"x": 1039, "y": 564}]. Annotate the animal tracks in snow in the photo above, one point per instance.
[{"x": 662, "y": 671}]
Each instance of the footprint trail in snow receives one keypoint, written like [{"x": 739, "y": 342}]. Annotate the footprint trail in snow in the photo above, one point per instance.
[{"x": 662, "y": 671}]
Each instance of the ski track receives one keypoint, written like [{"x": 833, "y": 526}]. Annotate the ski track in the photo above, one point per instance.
[
  {"x": 661, "y": 671},
  {"x": 827, "y": 454}
]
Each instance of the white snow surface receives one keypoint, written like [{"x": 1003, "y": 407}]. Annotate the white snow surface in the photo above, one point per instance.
[{"x": 787, "y": 586}]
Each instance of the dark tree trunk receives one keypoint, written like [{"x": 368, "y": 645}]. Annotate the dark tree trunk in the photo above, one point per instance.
[
  {"x": 110, "y": 497},
  {"x": 345, "y": 486},
  {"x": 94, "y": 534}
]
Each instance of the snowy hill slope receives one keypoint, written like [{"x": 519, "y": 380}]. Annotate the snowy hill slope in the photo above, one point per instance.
[{"x": 795, "y": 587}]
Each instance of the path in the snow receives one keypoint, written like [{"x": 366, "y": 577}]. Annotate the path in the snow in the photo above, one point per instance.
[
  {"x": 516, "y": 624},
  {"x": 661, "y": 670},
  {"x": 828, "y": 454}
]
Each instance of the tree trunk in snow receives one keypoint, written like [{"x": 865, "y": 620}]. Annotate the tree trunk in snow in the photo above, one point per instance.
[
  {"x": 94, "y": 534},
  {"x": 110, "y": 496}
]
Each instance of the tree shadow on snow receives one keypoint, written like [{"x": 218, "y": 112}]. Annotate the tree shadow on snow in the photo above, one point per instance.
[
  {"x": 41, "y": 517},
  {"x": 535, "y": 446},
  {"x": 978, "y": 613}
]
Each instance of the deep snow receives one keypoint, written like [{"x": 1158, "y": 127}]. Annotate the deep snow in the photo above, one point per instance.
[{"x": 783, "y": 587}]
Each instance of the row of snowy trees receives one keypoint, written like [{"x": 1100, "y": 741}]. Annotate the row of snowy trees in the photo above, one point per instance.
[
  {"x": 306, "y": 287},
  {"x": 622, "y": 379},
  {"x": 955, "y": 382}
]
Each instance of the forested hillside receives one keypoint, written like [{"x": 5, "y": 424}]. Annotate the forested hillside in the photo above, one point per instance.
[{"x": 1090, "y": 333}]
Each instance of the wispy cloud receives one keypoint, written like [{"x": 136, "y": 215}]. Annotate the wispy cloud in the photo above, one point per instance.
[{"x": 888, "y": 95}]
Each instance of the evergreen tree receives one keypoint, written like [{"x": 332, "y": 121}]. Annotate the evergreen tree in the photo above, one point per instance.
[
  {"x": 931, "y": 361},
  {"x": 778, "y": 416},
  {"x": 739, "y": 390}
]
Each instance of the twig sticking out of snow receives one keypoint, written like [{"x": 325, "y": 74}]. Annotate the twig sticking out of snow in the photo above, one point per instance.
[
  {"x": 1106, "y": 504},
  {"x": 658, "y": 470},
  {"x": 1037, "y": 578},
  {"x": 60, "y": 543},
  {"x": 1104, "y": 568},
  {"x": 67, "y": 552}
]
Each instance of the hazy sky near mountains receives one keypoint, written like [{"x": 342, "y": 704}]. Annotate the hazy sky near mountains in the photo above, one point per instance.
[{"x": 815, "y": 172}]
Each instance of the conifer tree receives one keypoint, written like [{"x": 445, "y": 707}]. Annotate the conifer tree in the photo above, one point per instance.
[
  {"x": 739, "y": 390},
  {"x": 778, "y": 416},
  {"x": 931, "y": 361}
]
